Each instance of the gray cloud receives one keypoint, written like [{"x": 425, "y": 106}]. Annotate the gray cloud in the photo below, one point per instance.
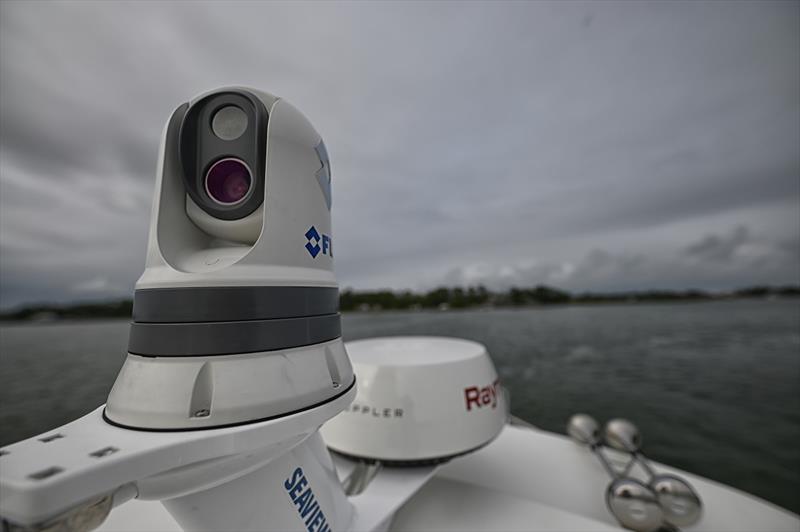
[
  {"x": 714, "y": 262},
  {"x": 720, "y": 248},
  {"x": 503, "y": 141}
]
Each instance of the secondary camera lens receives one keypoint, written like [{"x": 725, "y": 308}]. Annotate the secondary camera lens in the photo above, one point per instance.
[
  {"x": 229, "y": 122},
  {"x": 228, "y": 181}
]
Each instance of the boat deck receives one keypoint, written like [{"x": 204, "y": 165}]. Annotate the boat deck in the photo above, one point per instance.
[{"x": 527, "y": 479}]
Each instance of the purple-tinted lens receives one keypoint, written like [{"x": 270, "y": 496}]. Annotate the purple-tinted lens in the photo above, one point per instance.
[{"x": 228, "y": 181}]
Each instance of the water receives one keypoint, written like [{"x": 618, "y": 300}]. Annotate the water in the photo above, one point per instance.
[{"x": 713, "y": 386}]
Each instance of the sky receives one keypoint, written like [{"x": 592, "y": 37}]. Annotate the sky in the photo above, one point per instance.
[{"x": 590, "y": 146}]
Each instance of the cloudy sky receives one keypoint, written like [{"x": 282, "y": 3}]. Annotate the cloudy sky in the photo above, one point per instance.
[{"x": 597, "y": 145}]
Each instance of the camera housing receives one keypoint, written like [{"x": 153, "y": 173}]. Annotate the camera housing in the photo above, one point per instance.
[{"x": 235, "y": 317}]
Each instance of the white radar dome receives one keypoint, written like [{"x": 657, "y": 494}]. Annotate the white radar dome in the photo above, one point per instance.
[{"x": 420, "y": 400}]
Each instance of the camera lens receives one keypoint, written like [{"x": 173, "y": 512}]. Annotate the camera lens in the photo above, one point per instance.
[
  {"x": 229, "y": 122},
  {"x": 228, "y": 181}
]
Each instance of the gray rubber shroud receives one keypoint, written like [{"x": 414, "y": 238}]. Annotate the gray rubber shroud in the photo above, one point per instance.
[
  {"x": 237, "y": 303},
  {"x": 231, "y": 337}
]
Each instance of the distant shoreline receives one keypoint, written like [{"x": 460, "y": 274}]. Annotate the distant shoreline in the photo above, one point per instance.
[{"x": 438, "y": 299}]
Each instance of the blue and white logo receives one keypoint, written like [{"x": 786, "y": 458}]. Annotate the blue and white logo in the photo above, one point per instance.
[{"x": 318, "y": 243}]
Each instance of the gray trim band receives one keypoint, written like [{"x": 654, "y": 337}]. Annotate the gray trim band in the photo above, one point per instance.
[
  {"x": 234, "y": 303},
  {"x": 231, "y": 337}
]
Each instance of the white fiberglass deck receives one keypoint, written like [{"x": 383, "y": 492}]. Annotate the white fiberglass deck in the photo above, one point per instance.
[{"x": 526, "y": 479}]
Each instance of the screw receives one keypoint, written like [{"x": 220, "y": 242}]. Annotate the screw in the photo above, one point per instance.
[{"x": 205, "y": 412}]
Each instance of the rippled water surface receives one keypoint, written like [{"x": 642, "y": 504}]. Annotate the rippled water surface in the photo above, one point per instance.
[{"x": 713, "y": 386}]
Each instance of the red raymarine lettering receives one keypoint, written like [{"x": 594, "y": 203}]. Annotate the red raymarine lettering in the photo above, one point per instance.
[{"x": 481, "y": 396}]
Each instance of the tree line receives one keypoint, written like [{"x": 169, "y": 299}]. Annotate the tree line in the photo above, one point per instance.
[
  {"x": 480, "y": 296},
  {"x": 442, "y": 298}
]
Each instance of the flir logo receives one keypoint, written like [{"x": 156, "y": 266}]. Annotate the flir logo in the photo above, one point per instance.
[{"x": 318, "y": 243}]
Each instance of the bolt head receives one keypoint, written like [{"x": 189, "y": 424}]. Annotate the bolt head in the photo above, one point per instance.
[
  {"x": 623, "y": 435},
  {"x": 681, "y": 504},
  {"x": 583, "y": 429},
  {"x": 635, "y": 505}
]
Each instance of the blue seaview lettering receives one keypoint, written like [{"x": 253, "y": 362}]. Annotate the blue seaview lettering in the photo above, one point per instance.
[{"x": 307, "y": 506}]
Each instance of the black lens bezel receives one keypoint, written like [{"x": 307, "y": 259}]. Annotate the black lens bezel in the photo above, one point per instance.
[
  {"x": 247, "y": 194},
  {"x": 200, "y": 148}
]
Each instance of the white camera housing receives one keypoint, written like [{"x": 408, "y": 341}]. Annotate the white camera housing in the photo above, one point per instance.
[
  {"x": 236, "y": 314},
  {"x": 187, "y": 247}
]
